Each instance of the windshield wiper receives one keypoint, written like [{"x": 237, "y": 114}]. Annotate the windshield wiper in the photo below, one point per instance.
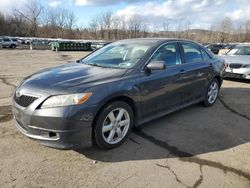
[
  {"x": 94, "y": 64},
  {"x": 98, "y": 65}
]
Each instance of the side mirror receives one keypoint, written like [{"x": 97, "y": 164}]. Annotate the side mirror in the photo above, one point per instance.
[{"x": 156, "y": 65}]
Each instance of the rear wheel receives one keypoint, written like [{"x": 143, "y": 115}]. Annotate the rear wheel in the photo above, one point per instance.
[
  {"x": 212, "y": 92},
  {"x": 113, "y": 125}
]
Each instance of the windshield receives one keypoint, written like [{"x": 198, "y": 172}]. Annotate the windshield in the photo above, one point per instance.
[
  {"x": 117, "y": 55},
  {"x": 240, "y": 50}
]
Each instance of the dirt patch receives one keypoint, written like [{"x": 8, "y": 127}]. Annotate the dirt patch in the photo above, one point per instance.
[{"x": 5, "y": 113}]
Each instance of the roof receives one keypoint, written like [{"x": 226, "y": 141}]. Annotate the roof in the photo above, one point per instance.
[{"x": 154, "y": 40}]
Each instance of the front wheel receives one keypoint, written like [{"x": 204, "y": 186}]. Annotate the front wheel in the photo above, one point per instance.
[
  {"x": 212, "y": 93},
  {"x": 113, "y": 125},
  {"x": 12, "y": 46}
]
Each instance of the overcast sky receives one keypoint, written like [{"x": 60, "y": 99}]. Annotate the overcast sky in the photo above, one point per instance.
[{"x": 200, "y": 13}]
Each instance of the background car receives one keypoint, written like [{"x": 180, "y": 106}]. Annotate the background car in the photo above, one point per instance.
[
  {"x": 9, "y": 43},
  {"x": 238, "y": 62},
  {"x": 215, "y": 48},
  {"x": 226, "y": 48},
  {"x": 98, "y": 45}
]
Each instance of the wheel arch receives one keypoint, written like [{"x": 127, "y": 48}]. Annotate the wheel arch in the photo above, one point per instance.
[
  {"x": 123, "y": 98},
  {"x": 219, "y": 79}
]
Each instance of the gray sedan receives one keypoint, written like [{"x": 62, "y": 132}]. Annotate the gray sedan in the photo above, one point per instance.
[
  {"x": 100, "y": 98},
  {"x": 238, "y": 62}
]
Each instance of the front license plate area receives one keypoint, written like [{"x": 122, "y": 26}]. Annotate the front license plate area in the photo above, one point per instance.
[{"x": 20, "y": 116}]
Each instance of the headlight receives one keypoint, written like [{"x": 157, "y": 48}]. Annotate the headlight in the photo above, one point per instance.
[
  {"x": 66, "y": 100},
  {"x": 246, "y": 66}
]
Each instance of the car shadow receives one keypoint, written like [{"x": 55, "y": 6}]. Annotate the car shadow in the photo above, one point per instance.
[{"x": 189, "y": 132}]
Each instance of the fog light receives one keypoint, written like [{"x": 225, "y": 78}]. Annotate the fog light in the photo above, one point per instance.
[{"x": 52, "y": 134}]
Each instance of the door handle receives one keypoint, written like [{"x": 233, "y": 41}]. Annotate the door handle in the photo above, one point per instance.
[{"x": 182, "y": 71}]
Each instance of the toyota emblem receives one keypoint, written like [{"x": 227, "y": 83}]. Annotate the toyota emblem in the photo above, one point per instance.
[{"x": 18, "y": 93}]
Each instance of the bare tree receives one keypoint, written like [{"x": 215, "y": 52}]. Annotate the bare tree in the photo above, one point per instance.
[
  {"x": 2, "y": 24},
  {"x": 225, "y": 27},
  {"x": 247, "y": 30},
  {"x": 107, "y": 22},
  {"x": 135, "y": 24},
  {"x": 94, "y": 28},
  {"x": 187, "y": 27},
  {"x": 32, "y": 14},
  {"x": 61, "y": 21},
  {"x": 166, "y": 28}
]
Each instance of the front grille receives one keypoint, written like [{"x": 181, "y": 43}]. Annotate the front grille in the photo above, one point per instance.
[
  {"x": 235, "y": 65},
  {"x": 233, "y": 75},
  {"x": 24, "y": 100}
]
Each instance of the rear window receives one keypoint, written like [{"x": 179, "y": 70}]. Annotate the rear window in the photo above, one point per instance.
[
  {"x": 205, "y": 55},
  {"x": 192, "y": 53}
]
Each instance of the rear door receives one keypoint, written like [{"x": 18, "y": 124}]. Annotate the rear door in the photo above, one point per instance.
[{"x": 194, "y": 73}]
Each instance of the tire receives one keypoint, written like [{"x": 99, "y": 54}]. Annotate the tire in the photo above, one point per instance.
[
  {"x": 212, "y": 93},
  {"x": 111, "y": 131},
  {"x": 13, "y": 46}
]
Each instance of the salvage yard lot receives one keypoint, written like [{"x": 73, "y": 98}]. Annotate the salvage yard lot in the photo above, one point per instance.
[{"x": 194, "y": 147}]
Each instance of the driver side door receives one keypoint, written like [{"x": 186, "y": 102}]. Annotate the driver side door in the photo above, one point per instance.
[{"x": 160, "y": 89}]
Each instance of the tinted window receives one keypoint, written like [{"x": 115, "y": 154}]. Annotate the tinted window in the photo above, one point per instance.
[
  {"x": 6, "y": 40},
  {"x": 206, "y": 57},
  {"x": 169, "y": 54},
  {"x": 192, "y": 53}
]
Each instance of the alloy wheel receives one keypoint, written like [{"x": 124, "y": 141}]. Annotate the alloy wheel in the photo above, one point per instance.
[
  {"x": 115, "y": 126},
  {"x": 212, "y": 92}
]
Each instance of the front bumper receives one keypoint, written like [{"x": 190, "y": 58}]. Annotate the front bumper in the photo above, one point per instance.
[
  {"x": 241, "y": 73},
  {"x": 62, "y": 128}
]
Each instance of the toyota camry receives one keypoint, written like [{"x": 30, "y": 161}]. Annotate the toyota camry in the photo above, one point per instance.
[{"x": 101, "y": 97}]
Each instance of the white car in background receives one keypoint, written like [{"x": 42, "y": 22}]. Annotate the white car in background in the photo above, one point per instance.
[
  {"x": 238, "y": 62},
  {"x": 9, "y": 43}
]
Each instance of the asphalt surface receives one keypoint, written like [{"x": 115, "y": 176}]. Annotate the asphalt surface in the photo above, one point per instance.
[{"x": 194, "y": 147}]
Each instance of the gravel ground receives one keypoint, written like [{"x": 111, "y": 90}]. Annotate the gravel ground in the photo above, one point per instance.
[{"x": 194, "y": 147}]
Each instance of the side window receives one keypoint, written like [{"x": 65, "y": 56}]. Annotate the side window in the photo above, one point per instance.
[
  {"x": 192, "y": 53},
  {"x": 205, "y": 56},
  {"x": 168, "y": 53}
]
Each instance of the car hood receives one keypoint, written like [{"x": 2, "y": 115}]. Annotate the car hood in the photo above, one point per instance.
[
  {"x": 70, "y": 78},
  {"x": 241, "y": 59}
]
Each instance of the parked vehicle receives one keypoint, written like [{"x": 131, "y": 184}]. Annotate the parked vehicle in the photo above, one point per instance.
[
  {"x": 215, "y": 48},
  {"x": 9, "y": 43},
  {"x": 98, "y": 45},
  {"x": 99, "y": 98},
  {"x": 238, "y": 62}
]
